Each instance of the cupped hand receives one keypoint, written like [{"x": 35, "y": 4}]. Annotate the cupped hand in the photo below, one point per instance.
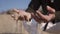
[{"x": 21, "y": 15}]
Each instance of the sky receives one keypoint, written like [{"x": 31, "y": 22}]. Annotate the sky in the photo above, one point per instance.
[{"x": 9, "y": 4}]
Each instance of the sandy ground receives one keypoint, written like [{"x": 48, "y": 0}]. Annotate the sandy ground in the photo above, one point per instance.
[{"x": 8, "y": 25}]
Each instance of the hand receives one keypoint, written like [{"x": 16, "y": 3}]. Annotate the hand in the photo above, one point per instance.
[
  {"x": 25, "y": 15},
  {"x": 50, "y": 9},
  {"x": 21, "y": 15},
  {"x": 39, "y": 16},
  {"x": 36, "y": 17}
]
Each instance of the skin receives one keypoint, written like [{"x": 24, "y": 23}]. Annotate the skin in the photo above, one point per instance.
[
  {"x": 45, "y": 18},
  {"x": 22, "y": 15}
]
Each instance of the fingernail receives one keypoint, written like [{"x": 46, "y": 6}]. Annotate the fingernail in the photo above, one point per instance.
[
  {"x": 47, "y": 6},
  {"x": 37, "y": 11}
]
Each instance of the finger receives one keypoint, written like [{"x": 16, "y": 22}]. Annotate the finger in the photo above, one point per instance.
[
  {"x": 50, "y": 9},
  {"x": 13, "y": 16},
  {"x": 21, "y": 18},
  {"x": 25, "y": 17},
  {"x": 39, "y": 13},
  {"x": 15, "y": 10},
  {"x": 36, "y": 18}
]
